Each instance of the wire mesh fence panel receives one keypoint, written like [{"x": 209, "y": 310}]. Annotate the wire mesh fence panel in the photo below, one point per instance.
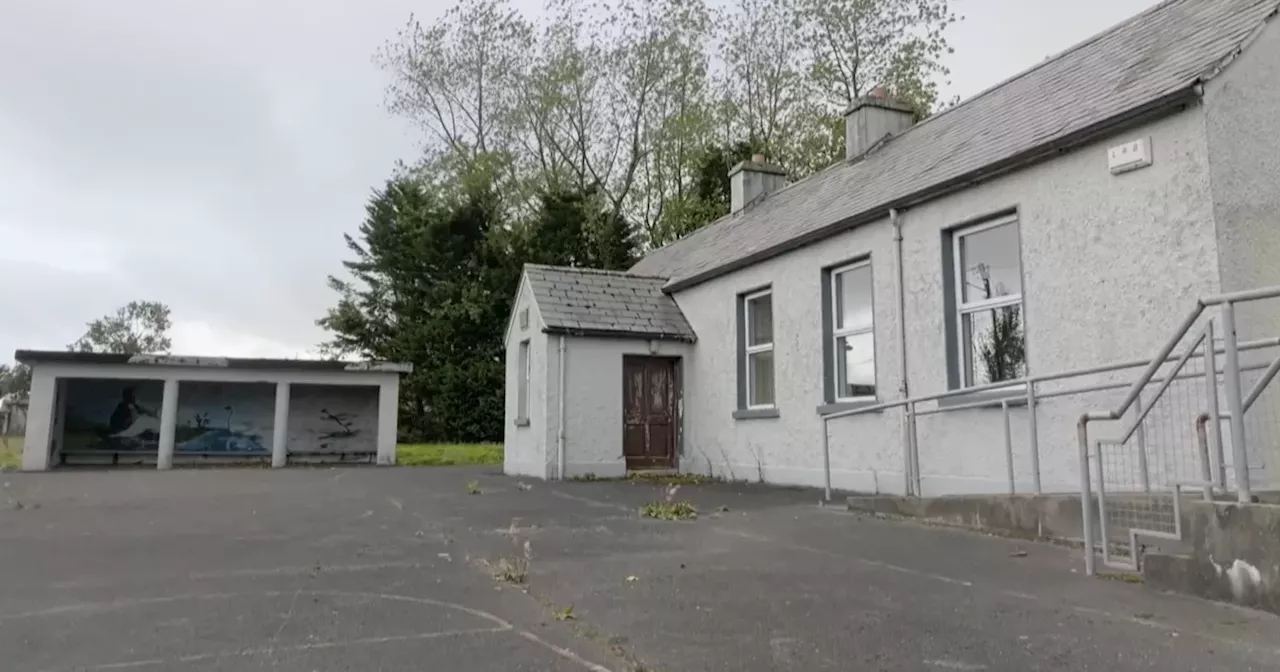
[{"x": 1137, "y": 477}]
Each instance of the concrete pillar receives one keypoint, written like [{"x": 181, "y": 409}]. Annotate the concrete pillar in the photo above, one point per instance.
[
  {"x": 168, "y": 424},
  {"x": 40, "y": 410},
  {"x": 280, "y": 430},
  {"x": 388, "y": 411}
]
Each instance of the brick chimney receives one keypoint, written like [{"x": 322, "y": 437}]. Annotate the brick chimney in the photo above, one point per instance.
[
  {"x": 873, "y": 118},
  {"x": 752, "y": 180}
]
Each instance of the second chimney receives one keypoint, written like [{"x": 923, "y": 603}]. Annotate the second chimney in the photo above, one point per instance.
[
  {"x": 872, "y": 118},
  {"x": 752, "y": 180}
]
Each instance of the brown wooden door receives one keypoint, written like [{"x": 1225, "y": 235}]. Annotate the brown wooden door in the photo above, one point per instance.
[{"x": 649, "y": 412}]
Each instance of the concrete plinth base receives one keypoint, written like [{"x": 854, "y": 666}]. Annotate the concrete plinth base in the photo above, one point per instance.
[
  {"x": 1030, "y": 516},
  {"x": 1234, "y": 555}
]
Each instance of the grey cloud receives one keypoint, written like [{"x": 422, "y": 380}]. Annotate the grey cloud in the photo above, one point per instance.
[{"x": 209, "y": 155}]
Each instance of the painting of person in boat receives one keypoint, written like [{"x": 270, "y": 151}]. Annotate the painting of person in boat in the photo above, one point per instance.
[{"x": 131, "y": 419}]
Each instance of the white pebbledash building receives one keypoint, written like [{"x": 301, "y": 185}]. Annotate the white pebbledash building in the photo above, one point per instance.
[{"x": 1061, "y": 220}]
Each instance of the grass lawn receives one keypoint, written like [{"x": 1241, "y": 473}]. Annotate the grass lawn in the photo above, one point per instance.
[
  {"x": 437, "y": 454},
  {"x": 407, "y": 454},
  {"x": 10, "y": 452}
]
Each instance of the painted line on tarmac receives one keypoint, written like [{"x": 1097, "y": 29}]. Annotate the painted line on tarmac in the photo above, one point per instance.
[
  {"x": 591, "y": 502},
  {"x": 562, "y": 652},
  {"x": 269, "y": 650},
  {"x": 500, "y": 625},
  {"x": 318, "y": 568}
]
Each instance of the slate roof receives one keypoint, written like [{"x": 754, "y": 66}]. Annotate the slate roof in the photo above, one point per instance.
[
  {"x": 1144, "y": 65},
  {"x": 592, "y": 302}
]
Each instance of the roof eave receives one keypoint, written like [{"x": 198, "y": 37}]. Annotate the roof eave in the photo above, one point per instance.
[
  {"x": 183, "y": 361},
  {"x": 611, "y": 333},
  {"x": 1138, "y": 115}
]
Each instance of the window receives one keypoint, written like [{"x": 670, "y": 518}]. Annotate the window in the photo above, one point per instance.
[
  {"x": 852, "y": 334},
  {"x": 758, "y": 340},
  {"x": 522, "y": 394},
  {"x": 991, "y": 339}
]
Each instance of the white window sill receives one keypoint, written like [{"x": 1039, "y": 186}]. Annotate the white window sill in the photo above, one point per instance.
[
  {"x": 755, "y": 413},
  {"x": 522, "y": 422}
]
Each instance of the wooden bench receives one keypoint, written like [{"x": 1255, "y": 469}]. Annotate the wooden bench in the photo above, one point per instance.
[{"x": 344, "y": 456}]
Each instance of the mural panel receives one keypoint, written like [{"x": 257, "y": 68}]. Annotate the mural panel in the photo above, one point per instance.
[
  {"x": 333, "y": 418},
  {"x": 113, "y": 415},
  {"x": 124, "y": 415},
  {"x": 225, "y": 417}
]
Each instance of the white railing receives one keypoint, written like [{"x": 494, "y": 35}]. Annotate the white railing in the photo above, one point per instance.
[
  {"x": 1136, "y": 499},
  {"x": 1033, "y": 399}
]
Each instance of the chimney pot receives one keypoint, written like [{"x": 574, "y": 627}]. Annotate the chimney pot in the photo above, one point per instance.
[{"x": 757, "y": 158}]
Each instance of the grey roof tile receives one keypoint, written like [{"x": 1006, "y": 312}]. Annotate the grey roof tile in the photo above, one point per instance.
[
  {"x": 586, "y": 300},
  {"x": 1139, "y": 62}
]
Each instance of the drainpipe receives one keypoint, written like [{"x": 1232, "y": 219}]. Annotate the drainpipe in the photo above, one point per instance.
[
  {"x": 901, "y": 297},
  {"x": 560, "y": 425}
]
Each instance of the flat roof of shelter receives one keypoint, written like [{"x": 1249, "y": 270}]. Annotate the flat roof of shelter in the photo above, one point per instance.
[{"x": 68, "y": 357}]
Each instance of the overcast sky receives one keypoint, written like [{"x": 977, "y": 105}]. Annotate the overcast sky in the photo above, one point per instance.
[{"x": 210, "y": 155}]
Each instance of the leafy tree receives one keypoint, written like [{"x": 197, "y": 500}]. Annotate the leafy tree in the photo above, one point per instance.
[
  {"x": 708, "y": 200},
  {"x": 607, "y": 129},
  {"x": 858, "y": 44},
  {"x": 1003, "y": 350},
  {"x": 15, "y": 379},
  {"x": 430, "y": 286},
  {"x": 624, "y": 98},
  {"x": 136, "y": 328},
  {"x": 575, "y": 228}
]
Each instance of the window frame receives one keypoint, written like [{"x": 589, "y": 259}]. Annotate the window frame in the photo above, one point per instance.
[
  {"x": 749, "y": 349},
  {"x": 525, "y": 380},
  {"x": 964, "y": 350},
  {"x": 837, "y": 332}
]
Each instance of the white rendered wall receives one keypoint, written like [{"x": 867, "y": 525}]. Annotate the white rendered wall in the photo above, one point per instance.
[
  {"x": 1110, "y": 265},
  {"x": 593, "y": 399},
  {"x": 528, "y": 449},
  {"x": 1244, "y": 154}
]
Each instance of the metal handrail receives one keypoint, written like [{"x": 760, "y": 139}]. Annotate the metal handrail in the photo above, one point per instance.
[
  {"x": 1224, "y": 300},
  {"x": 1032, "y": 395},
  {"x": 1234, "y": 400},
  {"x": 1019, "y": 382}
]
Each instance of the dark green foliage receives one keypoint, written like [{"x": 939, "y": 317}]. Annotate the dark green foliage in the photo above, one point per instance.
[
  {"x": 711, "y": 184},
  {"x": 1003, "y": 351},
  {"x": 572, "y": 228},
  {"x": 709, "y": 199},
  {"x": 426, "y": 290},
  {"x": 433, "y": 279}
]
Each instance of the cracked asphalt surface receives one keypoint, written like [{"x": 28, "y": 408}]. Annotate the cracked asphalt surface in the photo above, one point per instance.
[{"x": 390, "y": 569}]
